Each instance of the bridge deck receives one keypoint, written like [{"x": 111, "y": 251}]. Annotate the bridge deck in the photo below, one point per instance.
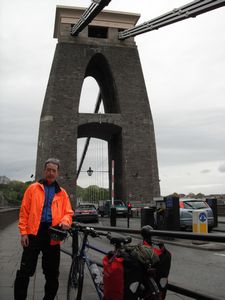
[{"x": 10, "y": 255}]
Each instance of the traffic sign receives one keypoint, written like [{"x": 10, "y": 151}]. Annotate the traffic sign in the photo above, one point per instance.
[{"x": 202, "y": 217}]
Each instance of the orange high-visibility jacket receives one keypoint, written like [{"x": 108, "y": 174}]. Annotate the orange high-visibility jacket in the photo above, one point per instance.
[{"x": 32, "y": 206}]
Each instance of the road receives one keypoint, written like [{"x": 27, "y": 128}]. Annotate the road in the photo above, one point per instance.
[{"x": 198, "y": 270}]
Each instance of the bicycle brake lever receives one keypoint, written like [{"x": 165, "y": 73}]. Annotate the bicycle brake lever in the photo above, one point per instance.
[{"x": 108, "y": 235}]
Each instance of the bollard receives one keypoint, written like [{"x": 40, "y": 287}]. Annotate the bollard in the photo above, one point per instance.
[
  {"x": 200, "y": 221},
  {"x": 129, "y": 214},
  {"x": 147, "y": 216},
  {"x": 128, "y": 221},
  {"x": 113, "y": 216}
]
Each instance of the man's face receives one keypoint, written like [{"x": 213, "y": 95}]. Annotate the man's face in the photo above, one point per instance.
[{"x": 51, "y": 172}]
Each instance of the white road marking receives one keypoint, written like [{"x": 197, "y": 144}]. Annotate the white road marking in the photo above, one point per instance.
[{"x": 220, "y": 254}]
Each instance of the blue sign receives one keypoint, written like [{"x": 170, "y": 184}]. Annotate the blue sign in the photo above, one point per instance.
[
  {"x": 202, "y": 217},
  {"x": 169, "y": 202}
]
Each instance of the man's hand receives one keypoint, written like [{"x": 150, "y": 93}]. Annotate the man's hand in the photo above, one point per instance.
[
  {"x": 64, "y": 226},
  {"x": 24, "y": 240}
]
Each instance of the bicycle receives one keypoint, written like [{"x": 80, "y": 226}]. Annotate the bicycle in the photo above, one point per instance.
[{"x": 80, "y": 259}]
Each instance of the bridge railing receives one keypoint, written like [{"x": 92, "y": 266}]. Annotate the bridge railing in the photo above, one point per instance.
[
  {"x": 8, "y": 216},
  {"x": 218, "y": 238}
]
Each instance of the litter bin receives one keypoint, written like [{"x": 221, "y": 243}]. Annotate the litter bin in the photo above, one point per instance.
[{"x": 147, "y": 216}]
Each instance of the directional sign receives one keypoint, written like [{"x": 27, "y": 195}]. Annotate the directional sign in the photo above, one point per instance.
[{"x": 202, "y": 217}]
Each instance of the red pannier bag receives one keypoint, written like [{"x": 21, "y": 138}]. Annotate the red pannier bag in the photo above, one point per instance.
[
  {"x": 113, "y": 278},
  {"x": 122, "y": 277}
]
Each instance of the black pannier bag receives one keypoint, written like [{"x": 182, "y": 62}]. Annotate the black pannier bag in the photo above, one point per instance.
[{"x": 162, "y": 267}]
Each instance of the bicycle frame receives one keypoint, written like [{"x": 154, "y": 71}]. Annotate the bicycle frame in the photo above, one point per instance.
[
  {"x": 80, "y": 259},
  {"x": 83, "y": 255}
]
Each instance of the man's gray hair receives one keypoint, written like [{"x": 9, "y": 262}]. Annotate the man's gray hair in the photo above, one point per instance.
[{"x": 53, "y": 161}]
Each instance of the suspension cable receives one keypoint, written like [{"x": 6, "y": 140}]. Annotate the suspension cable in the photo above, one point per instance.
[
  {"x": 95, "y": 8},
  {"x": 189, "y": 10}
]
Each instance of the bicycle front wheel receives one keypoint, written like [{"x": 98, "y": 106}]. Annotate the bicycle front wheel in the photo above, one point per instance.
[{"x": 76, "y": 279}]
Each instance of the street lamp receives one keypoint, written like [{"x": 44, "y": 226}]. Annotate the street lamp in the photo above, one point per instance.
[{"x": 89, "y": 171}]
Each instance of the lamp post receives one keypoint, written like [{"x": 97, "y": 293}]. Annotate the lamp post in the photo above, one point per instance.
[
  {"x": 113, "y": 209},
  {"x": 90, "y": 171}
]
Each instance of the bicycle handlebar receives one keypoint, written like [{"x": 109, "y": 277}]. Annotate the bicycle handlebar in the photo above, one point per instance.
[
  {"x": 87, "y": 229},
  {"x": 57, "y": 233}
]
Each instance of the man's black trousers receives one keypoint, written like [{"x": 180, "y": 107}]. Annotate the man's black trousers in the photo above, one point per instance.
[{"x": 50, "y": 264}]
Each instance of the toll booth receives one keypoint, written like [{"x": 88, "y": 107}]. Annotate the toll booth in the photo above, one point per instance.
[
  {"x": 212, "y": 202},
  {"x": 167, "y": 213}
]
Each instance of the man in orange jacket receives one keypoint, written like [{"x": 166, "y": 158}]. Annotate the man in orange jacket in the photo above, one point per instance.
[{"x": 44, "y": 204}]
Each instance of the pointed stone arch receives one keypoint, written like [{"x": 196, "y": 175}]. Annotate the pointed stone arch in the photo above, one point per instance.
[{"x": 98, "y": 67}]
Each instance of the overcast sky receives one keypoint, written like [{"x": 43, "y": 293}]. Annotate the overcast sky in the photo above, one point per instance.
[{"x": 184, "y": 70}]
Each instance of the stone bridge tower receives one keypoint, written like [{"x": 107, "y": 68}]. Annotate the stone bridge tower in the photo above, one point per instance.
[{"x": 127, "y": 124}]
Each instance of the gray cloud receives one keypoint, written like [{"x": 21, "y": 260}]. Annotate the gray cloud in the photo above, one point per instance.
[
  {"x": 190, "y": 137},
  {"x": 205, "y": 171},
  {"x": 222, "y": 168}
]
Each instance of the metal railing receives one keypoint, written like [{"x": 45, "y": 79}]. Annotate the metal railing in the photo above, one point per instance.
[
  {"x": 188, "y": 293},
  {"x": 8, "y": 216},
  {"x": 218, "y": 238}
]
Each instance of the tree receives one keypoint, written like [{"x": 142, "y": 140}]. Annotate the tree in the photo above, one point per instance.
[
  {"x": 13, "y": 192},
  {"x": 92, "y": 194}
]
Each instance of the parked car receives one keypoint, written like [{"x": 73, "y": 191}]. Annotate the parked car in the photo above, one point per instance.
[
  {"x": 121, "y": 208},
  {"x": 86, "y": 213},
  {"x": 187, "y": 206}
]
